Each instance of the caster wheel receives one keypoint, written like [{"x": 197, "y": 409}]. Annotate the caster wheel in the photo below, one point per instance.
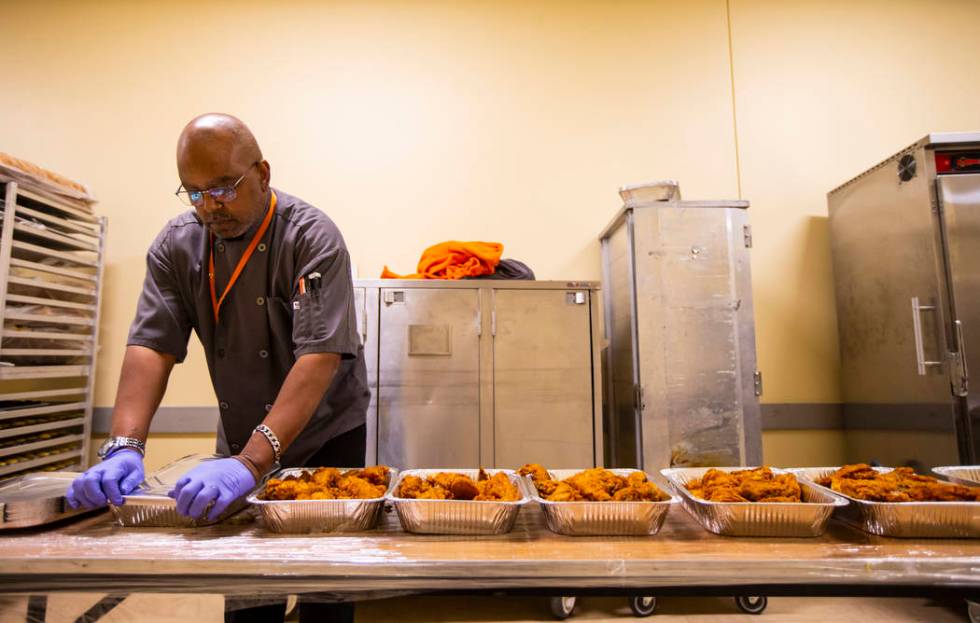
[
  {"x": 973, "y": 611},
  {"x": 751, "y": 605},
  {"x": 643, "y": 606},
  {"x": 562, "y": 607}
]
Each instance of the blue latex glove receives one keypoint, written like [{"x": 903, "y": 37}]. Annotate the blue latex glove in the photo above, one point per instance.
[
  {"x": 117, "y": 475},
  {"x": 222, "y": 481}
]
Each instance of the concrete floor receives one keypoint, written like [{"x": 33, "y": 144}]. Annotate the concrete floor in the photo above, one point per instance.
[{"x": 145, "y": 608}]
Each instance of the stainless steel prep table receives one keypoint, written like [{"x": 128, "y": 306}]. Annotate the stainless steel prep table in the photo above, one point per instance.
[{"x": 237, "y": 559}]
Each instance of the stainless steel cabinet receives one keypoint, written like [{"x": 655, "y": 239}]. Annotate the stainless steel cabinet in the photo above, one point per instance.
[
  {"x": 489, "y": 373},
  {"x": 542, "y": 358},
  {"x": 960, "y": 199},
  {"x": 905, "y": 236},
  {"x": 366, "y": 305},
  {"x": 680, "y": 364},
  {"x": 429, "y": 378}
]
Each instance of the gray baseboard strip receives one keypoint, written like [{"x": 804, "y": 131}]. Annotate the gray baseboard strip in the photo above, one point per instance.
[
  {"x": 802, "y": 416},
  {"x": 775, "y": 416},
  {"x": 924, "y": 417},
  {"x": 167, "y": 420}
]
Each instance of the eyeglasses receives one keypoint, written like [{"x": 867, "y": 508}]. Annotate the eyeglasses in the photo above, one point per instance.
[{"x": 222, "y": 194}]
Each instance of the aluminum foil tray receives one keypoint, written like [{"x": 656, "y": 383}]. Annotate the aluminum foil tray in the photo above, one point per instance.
[
  {"x": 457, "y": 516},
  {"x": 785, "y": 519},
  {"x": 639, "y": 194},
  {"x": 903, "y": 519},
  {"x": 307, "y": 516},
  {"x": 150, "y": 506},
  {"x": 601, "y": 518},
  {"x": 36, "y": 499},
  {"x": 968, "y": 475}
]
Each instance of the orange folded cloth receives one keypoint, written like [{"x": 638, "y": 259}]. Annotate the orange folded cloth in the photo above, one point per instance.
[{"x": 454, "y": 260}]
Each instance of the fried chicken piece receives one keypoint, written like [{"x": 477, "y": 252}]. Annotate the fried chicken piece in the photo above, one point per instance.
[
  {"x": 535, "y": 471},
  {"x": 597, "y": 484},
  {"x": 640, "y": 492},
  {"x": 326, "y": 477},
  {"x": 724, "y": 494},
  {"x": 376, "y": 475},
  {"x": 445, "y": 479},
  {"x": 783, "y": 485},
  {"x": 759, "y": 484},
  {"x": 565, "y": 492},
  {"x": 541, "y": 478},
  {"x": 593, "y": 485},
  {"x": 328, "y": 483},
  {"x": 858, "y": 471},
  {"x": 546, "y": 487},
  {"x": 717, "y": 478},
  {"x": 871, "y": 490},
  {"x": 696, "y": 487},
  {"x": 498, "y": 488},
  {"x": 275, "y": 488},
  {"x": 358, "y": 488},
  {"x": 452, "y": 486},
  {"x": 434, "y": 493},
  {"x": 412, "y": 487},
  {"x": 901, "y": 484},
  {"x": 464, "y": 489},
  {"x": 636, "y": 479}
]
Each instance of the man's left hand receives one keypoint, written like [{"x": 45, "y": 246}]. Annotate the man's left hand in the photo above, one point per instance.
[{"x": 220, "y": 482}]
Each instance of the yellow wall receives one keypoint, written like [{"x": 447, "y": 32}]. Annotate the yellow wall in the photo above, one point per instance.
[
  {"x": 407, "y": 122},
  {"x": 823, "y": 91},
  {"x": 410, "y": 122},
  {"x": 803, "y": 448}
]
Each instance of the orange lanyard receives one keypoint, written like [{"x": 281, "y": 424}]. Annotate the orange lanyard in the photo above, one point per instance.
[{"x": 215, "y": 301}]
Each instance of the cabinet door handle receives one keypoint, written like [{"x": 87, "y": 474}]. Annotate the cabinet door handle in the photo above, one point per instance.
[{"x": 920, "y": 358}]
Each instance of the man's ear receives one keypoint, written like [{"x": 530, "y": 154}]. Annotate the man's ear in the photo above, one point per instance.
[{"x": 265, "y": 175}]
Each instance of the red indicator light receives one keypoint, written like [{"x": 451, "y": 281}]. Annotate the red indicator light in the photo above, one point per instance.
[{"x": 944, "y": 163}]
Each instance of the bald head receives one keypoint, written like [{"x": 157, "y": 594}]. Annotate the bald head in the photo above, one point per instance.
[
  {"x": 219, "y": 134},
  {"x": 215, "y": 150}
]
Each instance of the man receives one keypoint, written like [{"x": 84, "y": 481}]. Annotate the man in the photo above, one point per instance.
[{"x": 264, "y": 280}]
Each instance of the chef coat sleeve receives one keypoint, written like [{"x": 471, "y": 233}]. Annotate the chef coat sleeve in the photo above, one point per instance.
[
  {"x": 324, "y": 320},
  {"x": 161, "y": 322}
]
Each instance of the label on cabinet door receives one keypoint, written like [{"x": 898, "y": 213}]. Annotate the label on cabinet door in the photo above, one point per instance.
[{"x": 430, "y": 340}]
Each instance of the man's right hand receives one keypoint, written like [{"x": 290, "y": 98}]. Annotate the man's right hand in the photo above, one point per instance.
[{"x": 118, "y": 475}]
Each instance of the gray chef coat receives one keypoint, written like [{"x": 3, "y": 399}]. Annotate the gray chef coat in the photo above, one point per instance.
[{"x": 265, "y": 323}]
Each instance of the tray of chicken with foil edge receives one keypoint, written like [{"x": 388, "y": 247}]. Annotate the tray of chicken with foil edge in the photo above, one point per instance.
[
  {"x": 458, "y": 516},
  {"x": 606, "y": 517},
  {"x": 900, "y": 519},
  {"x": 325, "y": 514},
  {"x": 806, "y": 518}
]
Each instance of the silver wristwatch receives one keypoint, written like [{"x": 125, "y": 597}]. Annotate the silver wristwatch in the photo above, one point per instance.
[{"x": 115, "y": 443}]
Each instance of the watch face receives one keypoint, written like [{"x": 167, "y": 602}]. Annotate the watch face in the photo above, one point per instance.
[
  {"x": 104, "y": 448},
  {"x": 107, "y": 446}
]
